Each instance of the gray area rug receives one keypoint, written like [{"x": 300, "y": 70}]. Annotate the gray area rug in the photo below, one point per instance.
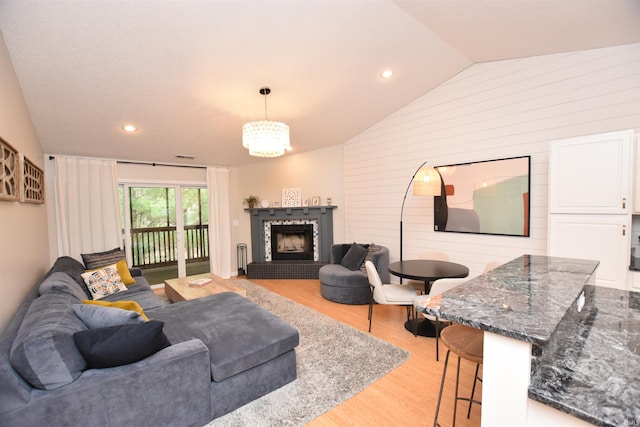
[{"x": 335, "y": 362}]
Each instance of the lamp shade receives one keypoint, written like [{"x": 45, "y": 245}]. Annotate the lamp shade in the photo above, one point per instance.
[
  {"x": 427, "y": 182},
  {"x": 266, "y": 138}
]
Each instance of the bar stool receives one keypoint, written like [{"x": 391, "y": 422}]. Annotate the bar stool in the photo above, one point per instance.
[{"x": 466, "y": 343}]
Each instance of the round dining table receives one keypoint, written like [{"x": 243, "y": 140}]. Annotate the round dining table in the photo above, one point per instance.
[{"x": 427, "y": 271}]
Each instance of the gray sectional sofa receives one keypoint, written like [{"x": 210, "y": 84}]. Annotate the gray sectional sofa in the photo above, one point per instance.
[
  {"x": 344, "y": 279},
  {"x": 224, "y": 352}
]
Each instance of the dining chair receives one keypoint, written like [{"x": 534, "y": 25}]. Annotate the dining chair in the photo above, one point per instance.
[
  {"x": 388, "y": 294},
  {"x": 491, "y": 265},
  {"x": 439, "y": 286},
  {"x": 466, "y": 343},
  {"x": 437, "y": 256}
]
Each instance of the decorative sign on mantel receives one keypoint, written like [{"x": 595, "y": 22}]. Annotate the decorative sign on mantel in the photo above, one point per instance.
[{"x": 291, "y": 197}]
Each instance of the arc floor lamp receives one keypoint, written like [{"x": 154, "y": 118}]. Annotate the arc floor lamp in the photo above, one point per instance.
[{"x": 426, "y": 182}]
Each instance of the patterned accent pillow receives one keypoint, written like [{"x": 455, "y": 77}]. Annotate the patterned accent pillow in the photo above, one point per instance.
[
  {"x": 104, "y": 281},
  {"x": 100, "y": 259},
  {"x": 372, "y": 249}
]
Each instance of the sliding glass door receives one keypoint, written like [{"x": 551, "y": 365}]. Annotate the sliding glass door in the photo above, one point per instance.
[{"x": 159, "y": 240}]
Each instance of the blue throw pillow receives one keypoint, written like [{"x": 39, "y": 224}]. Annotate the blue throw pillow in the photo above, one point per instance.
[
  {"x": 354, "y": 257},
  {"x": 98, "y": 316},
  {"x": 120, "y": 345}
]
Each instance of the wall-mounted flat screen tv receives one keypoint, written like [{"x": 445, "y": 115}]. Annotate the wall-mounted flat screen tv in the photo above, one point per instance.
[{"x": 486, "y": 197}]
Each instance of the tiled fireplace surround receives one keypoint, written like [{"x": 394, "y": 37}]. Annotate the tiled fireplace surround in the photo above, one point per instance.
[{"x": 262, "y": 266}]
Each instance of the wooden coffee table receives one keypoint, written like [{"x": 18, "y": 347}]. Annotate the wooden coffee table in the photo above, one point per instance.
[{"x": 179, "y": 289}]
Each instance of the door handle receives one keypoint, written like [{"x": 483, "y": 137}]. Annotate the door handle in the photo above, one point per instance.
[
  {"x": 624, "y": 230},
  {"x": 624, "y": 203}
]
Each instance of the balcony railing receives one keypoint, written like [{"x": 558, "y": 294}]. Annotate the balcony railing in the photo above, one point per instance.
[{"x": 157, "y": 247}]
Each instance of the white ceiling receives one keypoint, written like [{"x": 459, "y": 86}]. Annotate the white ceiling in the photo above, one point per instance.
[{"x": 188, "y": 72}]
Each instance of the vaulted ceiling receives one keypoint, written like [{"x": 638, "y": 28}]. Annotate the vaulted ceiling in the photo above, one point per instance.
[{"x": 188, "y": 72}]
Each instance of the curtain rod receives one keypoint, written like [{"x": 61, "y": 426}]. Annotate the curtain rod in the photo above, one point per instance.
[{"x": 126, "y": 162}]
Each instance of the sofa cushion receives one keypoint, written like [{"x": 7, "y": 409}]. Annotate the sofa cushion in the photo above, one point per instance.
[
  {"x": 120, "y": 345},
  {"x": 239, "y": 334},
  {"x": 61, "y": 282},
  {"x": 44, "y": 352},
  {"x": 100, "y": 259},
  {"x": 354, "y": 257},
  {"x": 104, "y": 281},
  {"x": 73, "y": 268},
  {"x": 337, "y": 275},
  {"x": 98, "y": 316}
]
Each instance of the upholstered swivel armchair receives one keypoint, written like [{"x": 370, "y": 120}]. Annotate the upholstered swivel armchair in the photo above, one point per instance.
[{"x": 341, "y": 284}]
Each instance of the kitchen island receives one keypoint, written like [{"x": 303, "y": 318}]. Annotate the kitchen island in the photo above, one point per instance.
[{"x": 557, "y": 350}]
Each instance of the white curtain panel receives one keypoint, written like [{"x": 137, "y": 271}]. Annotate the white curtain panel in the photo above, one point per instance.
[
  {"x": 87, "y": 206},
  {"x": 219, "y": 222}
]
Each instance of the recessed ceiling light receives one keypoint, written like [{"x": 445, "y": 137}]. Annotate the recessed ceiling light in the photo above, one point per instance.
[
  {"x": 386, "y": 74},
  {"x": 129, "y": 128}
]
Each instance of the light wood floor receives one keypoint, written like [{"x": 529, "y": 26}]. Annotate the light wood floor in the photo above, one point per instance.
[{"x": 406, "y": 396}]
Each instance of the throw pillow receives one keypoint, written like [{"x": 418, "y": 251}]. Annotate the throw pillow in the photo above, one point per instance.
[
  {"x": 354, "y": 257},
  {"x": 371, "y": 250},
  {"x": 104, "y": 281},
  {"x": 100, "y": 259},
  {"x": 99, "y": 316},
  {"x": 120, "y": 345},
  {"x": 125, "y": 274},
  {"x": 125, "y": 305}
]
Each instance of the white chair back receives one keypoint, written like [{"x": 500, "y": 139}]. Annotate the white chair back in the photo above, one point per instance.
[
  {"x": 491, "y": 265},
  {"x": 375, "y": 282},
  {"x": 442, "y": 285}
]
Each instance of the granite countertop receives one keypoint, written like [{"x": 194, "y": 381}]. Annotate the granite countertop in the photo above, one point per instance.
[
  {"x": 586, "y": 361},
  {"x": 591, "y": 366},
  {"x": 524, "y": 299}
]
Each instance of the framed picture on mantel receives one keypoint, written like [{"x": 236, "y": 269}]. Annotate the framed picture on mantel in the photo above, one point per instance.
[{"x": 315, "y": 201}]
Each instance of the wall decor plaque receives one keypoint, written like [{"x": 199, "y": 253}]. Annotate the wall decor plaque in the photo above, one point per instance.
[
  {"x": 32, "y": 183},
  {"x": 10, "y": 172}
]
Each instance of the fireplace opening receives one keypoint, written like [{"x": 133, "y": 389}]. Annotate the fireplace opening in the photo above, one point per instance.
[{"x": 292, "y": 242}]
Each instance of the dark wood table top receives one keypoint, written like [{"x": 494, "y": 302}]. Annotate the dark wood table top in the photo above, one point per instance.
[{"x": 427, "y": 270}]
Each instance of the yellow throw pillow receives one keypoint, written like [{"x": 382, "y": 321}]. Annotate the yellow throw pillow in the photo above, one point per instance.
[
  {"x": 125, "y": 305},
  {"x": 125, "y": 274}
]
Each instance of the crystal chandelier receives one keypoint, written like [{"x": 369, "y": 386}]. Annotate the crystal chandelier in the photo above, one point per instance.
[{"x": 265, "y": 138}]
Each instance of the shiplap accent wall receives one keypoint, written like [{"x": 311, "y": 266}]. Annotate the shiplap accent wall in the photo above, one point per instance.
[{"x": 488, "y": 111}]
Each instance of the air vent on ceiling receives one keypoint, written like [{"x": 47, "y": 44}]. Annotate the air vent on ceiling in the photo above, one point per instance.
[{"x": 185, "y": 156}]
